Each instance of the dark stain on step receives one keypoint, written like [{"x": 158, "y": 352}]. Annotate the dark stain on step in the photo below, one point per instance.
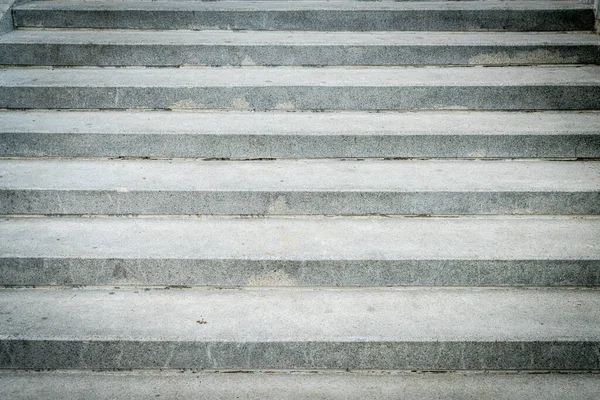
[{"x": 236, "y": 372}]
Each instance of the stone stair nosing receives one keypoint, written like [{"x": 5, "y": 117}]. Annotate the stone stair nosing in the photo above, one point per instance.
[
  {"x": 381, "y": 329},
  {"x": 298, "y": 187},
  {"x": 285, "y": 135},
  {"x": 276, "y": 385},
  {"x": 294, "y": 88},
  {"x": 267, "y": 48},
  {"x": 315, "y": 16},
  {"x": 229, "y": 251}
]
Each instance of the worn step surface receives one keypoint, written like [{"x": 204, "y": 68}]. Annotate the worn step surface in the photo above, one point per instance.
[
  {"x": 289, "y": 88},
  {"x": 242, "y": 135},
  {"x": 301, "y": 251},
  {"x": 17, "y": 385},
  {"x": 310, "y": 15},
  {"x": 298, "y": 187},
  {"x": 422, "y": 329},
  {"x": 218, "y": 48}
]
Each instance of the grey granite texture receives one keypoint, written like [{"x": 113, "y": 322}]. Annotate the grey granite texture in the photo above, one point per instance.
[
  {"x": 310, "y": 15},
  {"x": 6, "y": 22},
  {"x": 290, "y": 316},
  {"x": 414, "y": 329},
  {"x": 235, "y": 135},
  {"x": 295, "y": 88},
  {"x": 306, "y": 251},
  {"x": 247, "y": 48},
  {"x": 6, "y": 18},
  {"x": 283, "y": 385},
  {"x": 298, "y": 187}
]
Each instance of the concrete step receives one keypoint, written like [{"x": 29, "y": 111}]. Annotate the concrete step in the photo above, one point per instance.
[
  {"x": 235, "y": 135},
  {"x": 103, "y": 385},
  {"x": 296, "y": 88},
  {"x": 218, "y": 48},
  {"x": 309, "y": 15},
  {"x": 410, "y": 329},
  {"x": 298, "y": 187},
  {"x": 301, "y": 251}
]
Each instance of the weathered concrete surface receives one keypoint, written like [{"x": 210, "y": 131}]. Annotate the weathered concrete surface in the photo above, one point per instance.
[
  {"x": 300, "y": 135},
  {"x": 218, "y": 48},
  {"x": 298, "y": 187},
  {"x": 307, "y": 251},
  {"x": 310, "y": 15},
  {"x": 289, "y": 88},
  {"x": 6, "y": 21},
  {"x": 21, "y": 385},
  {"x": 445, "y": 329}
]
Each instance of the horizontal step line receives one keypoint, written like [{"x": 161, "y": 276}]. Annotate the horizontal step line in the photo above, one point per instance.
[
  {"x": 302, "y": 5},
  {"x": 179, "y": 38}
]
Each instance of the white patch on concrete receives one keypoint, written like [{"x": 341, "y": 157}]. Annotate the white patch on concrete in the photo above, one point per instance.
[
  {"x": 272, "y": 278},
  {"x": 539, "y": 56},
  {"x": 279, "y": 206},
  {"x": 185, "y": 104},
  {"x": 286, "y": 105},
  {"x": 247, "y": 61},
  {"x": 240, "y": 103}
]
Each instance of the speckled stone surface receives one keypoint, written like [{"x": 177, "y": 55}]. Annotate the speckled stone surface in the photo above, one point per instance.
[
  {"x": 247, "y": 48},
  {"x": 294, "y": 88},
  {"x": 298, "y": 187},
  {"x": 21, "y": 385},
  {"x": 445, "y": 329},
  {"x": 231, "y": 134},
  {"x": 269, "y": 287},
  {"x": 306, "y": 251},
  {"x": 310, "y": 15}
]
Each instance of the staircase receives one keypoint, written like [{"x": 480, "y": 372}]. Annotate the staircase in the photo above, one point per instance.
[{"x": 300, "y": 199}]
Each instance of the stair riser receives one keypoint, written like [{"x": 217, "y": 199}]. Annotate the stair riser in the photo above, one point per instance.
[
  {"x": 298, "y": 146},
  {"x": 313, "y": 20},
  {"x": 268, "y": 55},
  {"x": 126, "y": 354},
  {"x": 313, "y": 273},
  {"x": 569, "y": 97},
  {"x": 295, "y": 203}
]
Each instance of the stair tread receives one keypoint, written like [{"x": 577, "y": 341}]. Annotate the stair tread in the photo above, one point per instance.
[
  {"x": 105, "y": 385},
  {"x": 190, "y": 77},
  {"x": 252, "y": 135},
  {"x": 296, "y": 187},
  {"x": 284, "y": 5},
  {"x": 301, "y": 315},
  {"x": 225, "y": 123},
  {"x": 303, "y": 238},
  {"x": 242, "y": 135},
  {"x": 310, "y": 15},
  {"x": 219, "y": 48},
  {"x": 296, "y": 38},
  {"x": 425, "y": 328},
  {"x": 297, "y": 88},
  {"x": 308, "y": 176}
]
